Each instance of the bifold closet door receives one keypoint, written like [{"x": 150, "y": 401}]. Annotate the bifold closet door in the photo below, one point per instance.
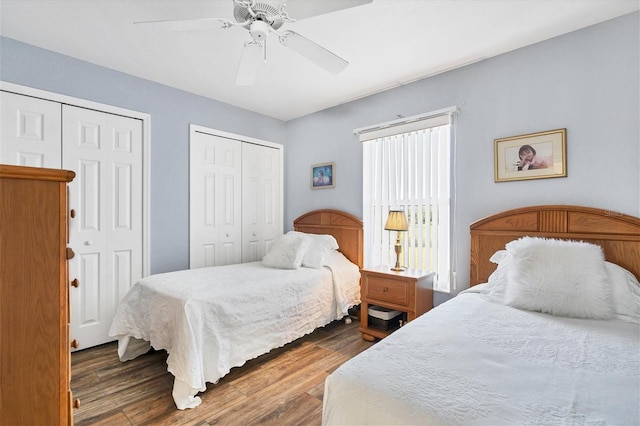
[
  {"x": 30, "y": 132},
  {"x": 214, "y": 201},
  {"x": 105, "y": 151}
]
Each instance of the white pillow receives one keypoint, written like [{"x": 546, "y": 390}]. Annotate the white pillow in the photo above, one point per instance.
[
  {"x": 319, "y": 247},
  {"x": 497, "y": 282},
  {"x": 625, "y": 293},
  {"x": 286, "y": 252},
  {"x": 559, "y": 277}
]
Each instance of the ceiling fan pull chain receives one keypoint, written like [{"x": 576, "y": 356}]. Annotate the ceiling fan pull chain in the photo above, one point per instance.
[{"x": 264, "y": 52}]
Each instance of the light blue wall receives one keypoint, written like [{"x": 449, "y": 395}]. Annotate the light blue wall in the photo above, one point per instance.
[
  {"x": 171, "y": 113},
  {"x": 586, "y": 81}
]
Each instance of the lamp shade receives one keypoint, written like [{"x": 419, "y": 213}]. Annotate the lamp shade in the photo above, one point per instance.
[{"x": 397, "y": 221}]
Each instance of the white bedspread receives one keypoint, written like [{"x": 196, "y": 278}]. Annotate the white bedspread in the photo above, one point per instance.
[
  {"x": 472, "y": 362},
  {"x": 210, "y": 320}
]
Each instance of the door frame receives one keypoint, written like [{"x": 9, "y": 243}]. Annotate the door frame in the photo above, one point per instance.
[
  {"x": 194, "y": 128},
  {"x": 146, "y": 155}
]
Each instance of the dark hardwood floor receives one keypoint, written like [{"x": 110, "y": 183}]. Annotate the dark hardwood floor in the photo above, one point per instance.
[{"x": 283, "y": 387}]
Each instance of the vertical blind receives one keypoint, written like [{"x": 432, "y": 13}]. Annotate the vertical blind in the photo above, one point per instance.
[{"x": 410, "y": 170}]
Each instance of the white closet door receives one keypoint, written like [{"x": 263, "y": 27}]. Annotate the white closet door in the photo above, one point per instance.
[
  {"x": 214, "y": 201},
  {"x": 31, "y": 131},
  {"x": 261, "y": 199},
  {"x": 105, "y": 151}
]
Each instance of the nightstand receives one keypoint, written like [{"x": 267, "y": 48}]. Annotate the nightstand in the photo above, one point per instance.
[{"x": 408, "y": 291}]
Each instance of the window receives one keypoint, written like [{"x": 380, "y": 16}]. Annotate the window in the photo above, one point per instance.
[{"x": 407, "y": 166}]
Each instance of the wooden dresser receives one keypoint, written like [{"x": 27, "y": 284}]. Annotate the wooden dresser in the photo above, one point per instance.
[{"x": 35, "y": 358}]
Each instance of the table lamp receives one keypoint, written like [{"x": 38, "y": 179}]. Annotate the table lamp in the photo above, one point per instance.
[{"x": 397, "y": 221}]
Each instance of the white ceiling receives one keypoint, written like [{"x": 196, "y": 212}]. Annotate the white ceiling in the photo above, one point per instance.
[{"x": 388, "y": 43}]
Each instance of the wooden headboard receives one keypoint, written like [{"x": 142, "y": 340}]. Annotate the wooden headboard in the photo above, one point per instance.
[
  {"x": 346, "y": 228},
  {"x": 617, "y": 233}
]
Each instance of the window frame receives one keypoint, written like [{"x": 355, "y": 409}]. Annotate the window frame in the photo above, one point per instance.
[{"x": 392, "y": 133}]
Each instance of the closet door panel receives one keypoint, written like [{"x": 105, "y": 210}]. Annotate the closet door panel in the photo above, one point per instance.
[
  {"x": 252, "y": 247},
  {"x": 214, "y": 202},
  {"x": 261, "y": 199},
  {"x": 83, "y": 153},
  {"x": 30, "y": 134},
  {"x": 105, "y": 150}
]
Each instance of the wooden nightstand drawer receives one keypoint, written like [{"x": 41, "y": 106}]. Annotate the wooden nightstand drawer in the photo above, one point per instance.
[{"x": 387, "y": 290}]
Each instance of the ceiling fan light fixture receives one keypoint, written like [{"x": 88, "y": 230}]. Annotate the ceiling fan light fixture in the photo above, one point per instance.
[{"x": 259, "y": 30}]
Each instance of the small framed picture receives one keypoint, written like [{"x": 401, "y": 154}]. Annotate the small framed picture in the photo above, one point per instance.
[
  {"x": 532, "y": 156},
  {"x": 323, "y": 176}
]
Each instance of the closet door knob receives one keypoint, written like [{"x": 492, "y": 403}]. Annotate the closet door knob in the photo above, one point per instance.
[
  {"x": 88, "y": 243},
  {"x": 227, "y": 234}
]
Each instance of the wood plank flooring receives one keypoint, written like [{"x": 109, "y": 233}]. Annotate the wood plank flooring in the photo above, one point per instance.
[{"x": 283, "y": 387}]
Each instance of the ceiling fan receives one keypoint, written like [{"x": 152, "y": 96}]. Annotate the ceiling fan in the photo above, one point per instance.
[{"x": 261, "y": 18}]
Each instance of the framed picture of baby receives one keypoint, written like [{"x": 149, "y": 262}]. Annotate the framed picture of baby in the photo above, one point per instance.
[
  {"x": 532, "y": 156},
  {"x": 323, "y": 176}
]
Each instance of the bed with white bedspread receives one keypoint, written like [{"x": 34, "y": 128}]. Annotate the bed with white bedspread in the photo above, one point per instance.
[
  {"x": 549, "y": 333},
  {"x": 210, "y": 320}
]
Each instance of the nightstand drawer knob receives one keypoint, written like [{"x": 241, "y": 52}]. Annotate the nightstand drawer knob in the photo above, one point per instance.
[{"x": 385, "y": 289}]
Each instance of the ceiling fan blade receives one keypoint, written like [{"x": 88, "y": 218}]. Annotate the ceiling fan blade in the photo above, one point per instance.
[
  {"x": 188, "y": 24},
  {"x": 300, "y": 9},
  {"x": 252, "y": 55},
  {"x": 313, "y": 52}
]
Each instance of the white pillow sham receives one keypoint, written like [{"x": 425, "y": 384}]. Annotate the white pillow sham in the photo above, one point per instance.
[
  {"x": 497, "y": 282},
  {"x": 286, "y": 252},
  {"x": 559, "y": 277},
  {"x": 625, "y": 290},
  {"x": 319, "y": 247}
]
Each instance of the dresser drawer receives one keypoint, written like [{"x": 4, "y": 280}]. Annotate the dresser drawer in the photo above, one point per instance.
[{"x": 387, "y": 290}]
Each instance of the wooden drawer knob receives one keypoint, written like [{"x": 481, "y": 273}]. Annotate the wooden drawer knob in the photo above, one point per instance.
[
  {"x": 75, "y": 283},
  {"x": 76, "y": 403},
  {"x": 385, "y": 289},
  {"x": 70, "y": 253},
  {"x": 74, "y": 344}
]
